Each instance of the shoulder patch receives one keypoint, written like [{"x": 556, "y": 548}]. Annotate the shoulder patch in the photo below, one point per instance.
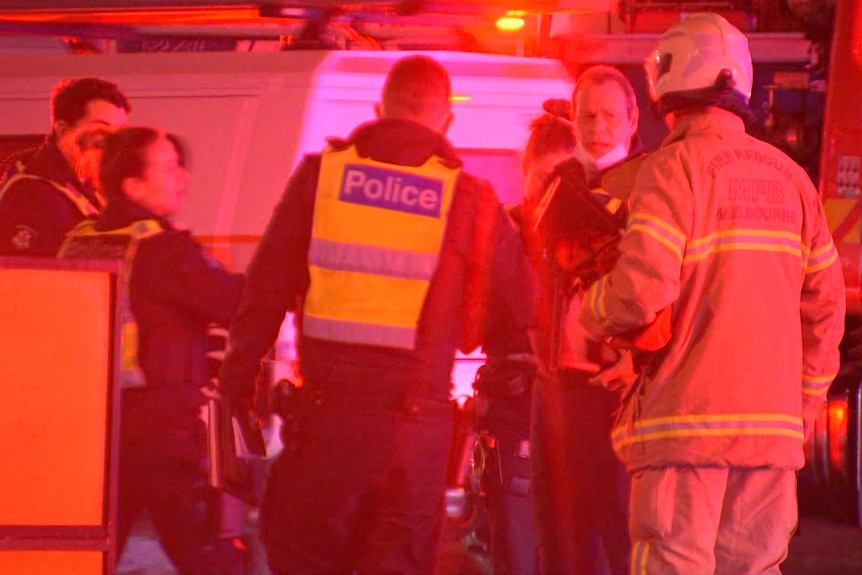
[{"x": 22, "y": 238}]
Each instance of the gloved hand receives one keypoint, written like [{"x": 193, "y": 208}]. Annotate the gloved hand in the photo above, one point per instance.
[
  {"x": 619, "y": 376},
  {"x": 652, "y": 337}
]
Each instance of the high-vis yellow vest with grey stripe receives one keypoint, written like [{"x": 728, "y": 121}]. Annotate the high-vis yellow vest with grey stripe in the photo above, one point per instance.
[
  {"x": 79, "y": 200},
  {"x": 84, "y": 242},
  {"x": 375, "y": 244}
]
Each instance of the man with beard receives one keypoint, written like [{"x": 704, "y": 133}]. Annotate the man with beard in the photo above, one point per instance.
[{"x": 47, "y": 192}]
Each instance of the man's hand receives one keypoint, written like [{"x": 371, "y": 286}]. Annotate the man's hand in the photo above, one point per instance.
[
  {"x": 619, "y": 376},
  {"x": 651, "y": 337},
  {"x": 242, "y": 416}
]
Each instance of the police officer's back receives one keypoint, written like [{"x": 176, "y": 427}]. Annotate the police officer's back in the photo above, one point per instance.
[{"x": 378, "y": 243}]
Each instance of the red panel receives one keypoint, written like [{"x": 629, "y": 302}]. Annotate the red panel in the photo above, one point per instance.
[{"x": 650, "y": 21}]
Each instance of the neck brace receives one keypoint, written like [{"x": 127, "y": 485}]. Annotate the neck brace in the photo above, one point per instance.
[{"x": 619, "y": 153}]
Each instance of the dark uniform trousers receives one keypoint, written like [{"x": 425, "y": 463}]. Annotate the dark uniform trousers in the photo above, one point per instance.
[
  {"x": 162, "y": 471},
  {"x": 580, "y": 487},
  {"x": 505, "y": 440},
  {"x": 374, "y": 520}
]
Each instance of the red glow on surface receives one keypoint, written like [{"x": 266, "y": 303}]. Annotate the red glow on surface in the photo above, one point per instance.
[
  {"x": 837, "y": 425},
  {"x": 177, "y": 16},
  {"x": 837, "y": 413}
]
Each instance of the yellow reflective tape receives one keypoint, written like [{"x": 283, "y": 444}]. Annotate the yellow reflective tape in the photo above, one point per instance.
[
  {"x": 793, "y": 236},
  {"x": 721, "y": 418},
  {"x": 822, "y": 265},
  {"x": 660, "y": 223},
  {"x": 644, "y": 556},
  {"x": 701, "y": 432},
  {"x": 675, "y": 248},
  {"x": 818, "y": 378},
  {"x": 743, "y": 246},
  {"x": 822, "y": 250}
]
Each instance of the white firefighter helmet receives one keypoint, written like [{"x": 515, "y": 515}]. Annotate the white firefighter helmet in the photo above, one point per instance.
[{"x": 694, "y": 53}]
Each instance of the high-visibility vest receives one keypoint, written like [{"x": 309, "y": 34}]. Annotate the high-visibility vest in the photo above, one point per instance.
[
  {"x": 83, "y": 204},
  {"x": 375, "y": 244},
  {"x": 84, "y": 242}
]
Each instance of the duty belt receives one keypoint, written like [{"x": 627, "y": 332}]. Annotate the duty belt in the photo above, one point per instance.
[{"x": 377, "y": 403}]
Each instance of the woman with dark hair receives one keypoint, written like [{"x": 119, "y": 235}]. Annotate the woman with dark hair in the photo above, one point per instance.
[
  {"x": 174, "y": 291},
  {"x": 504, "y": 385},
  {"x": 551, "y": 142}
]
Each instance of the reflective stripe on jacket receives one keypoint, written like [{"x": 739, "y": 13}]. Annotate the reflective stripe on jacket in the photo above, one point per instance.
[
  {"x": 375, "y": 244},
  {"x": 730, "y": 231},
  {"x": 84, "y": 242}
]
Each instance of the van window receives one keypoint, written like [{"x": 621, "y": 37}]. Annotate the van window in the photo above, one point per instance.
[{"x": 500, "y": 167}]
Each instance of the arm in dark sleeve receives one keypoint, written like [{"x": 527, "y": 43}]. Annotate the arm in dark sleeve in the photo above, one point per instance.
[
  {"x": 174, "y": 269},
  {"x": 510, "y": 298},
  {"x": 276, "y": 281}
]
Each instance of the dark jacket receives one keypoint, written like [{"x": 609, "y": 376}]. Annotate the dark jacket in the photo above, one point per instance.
[
  {"x": 278, "y": 280},
  {"x": 175, "y": 291},
  {"x": 543, "y": 253},
  {"x": 34, "y": 215}
]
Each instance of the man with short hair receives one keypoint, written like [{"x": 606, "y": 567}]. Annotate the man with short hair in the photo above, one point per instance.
[
  {"x": 580, "y": 489},
  {"x": 386, "y": 249},
  {"x": 45, "y": 195},
  {"x": 729, "y": 232}
]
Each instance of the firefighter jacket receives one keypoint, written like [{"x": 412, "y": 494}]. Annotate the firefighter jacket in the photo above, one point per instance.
[
  {"x": 425, "y": 280},
  {"x": 175, "y": 291},
  {"x": 731, "y": 233},
  {"x": 41, "y": 199}
]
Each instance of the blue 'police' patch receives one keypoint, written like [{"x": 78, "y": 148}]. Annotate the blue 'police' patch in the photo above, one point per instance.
[{"x": 391, "y": 190}]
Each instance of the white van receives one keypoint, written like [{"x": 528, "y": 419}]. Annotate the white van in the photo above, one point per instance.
[{"x": 248, "y": 117}]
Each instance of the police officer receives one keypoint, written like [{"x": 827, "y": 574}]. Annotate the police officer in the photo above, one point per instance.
[
  {"x": 730, "y": 233},
  {"x": 44, "y": 194},
  {"x": 174, "y": 291},
  {"x": 384, "y": 245}
]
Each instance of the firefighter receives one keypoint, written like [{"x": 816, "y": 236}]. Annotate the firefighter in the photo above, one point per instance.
[
  {"x": 46, "y": 192},
  {"x": 730, "y": 233},
  {"x": 386, "y": 248},
  {"x": 173, "y": 292},
  {"x": 580, "y": 489}
]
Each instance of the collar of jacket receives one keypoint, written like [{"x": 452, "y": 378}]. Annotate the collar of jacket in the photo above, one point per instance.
[
  {"x": 121, "y": 212},
  {"x": 706, "y": 121},
  {"x": 594, "y": 180},
  {"x": 48, "y": 162},
  {"x": 402, "y": 142}
]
